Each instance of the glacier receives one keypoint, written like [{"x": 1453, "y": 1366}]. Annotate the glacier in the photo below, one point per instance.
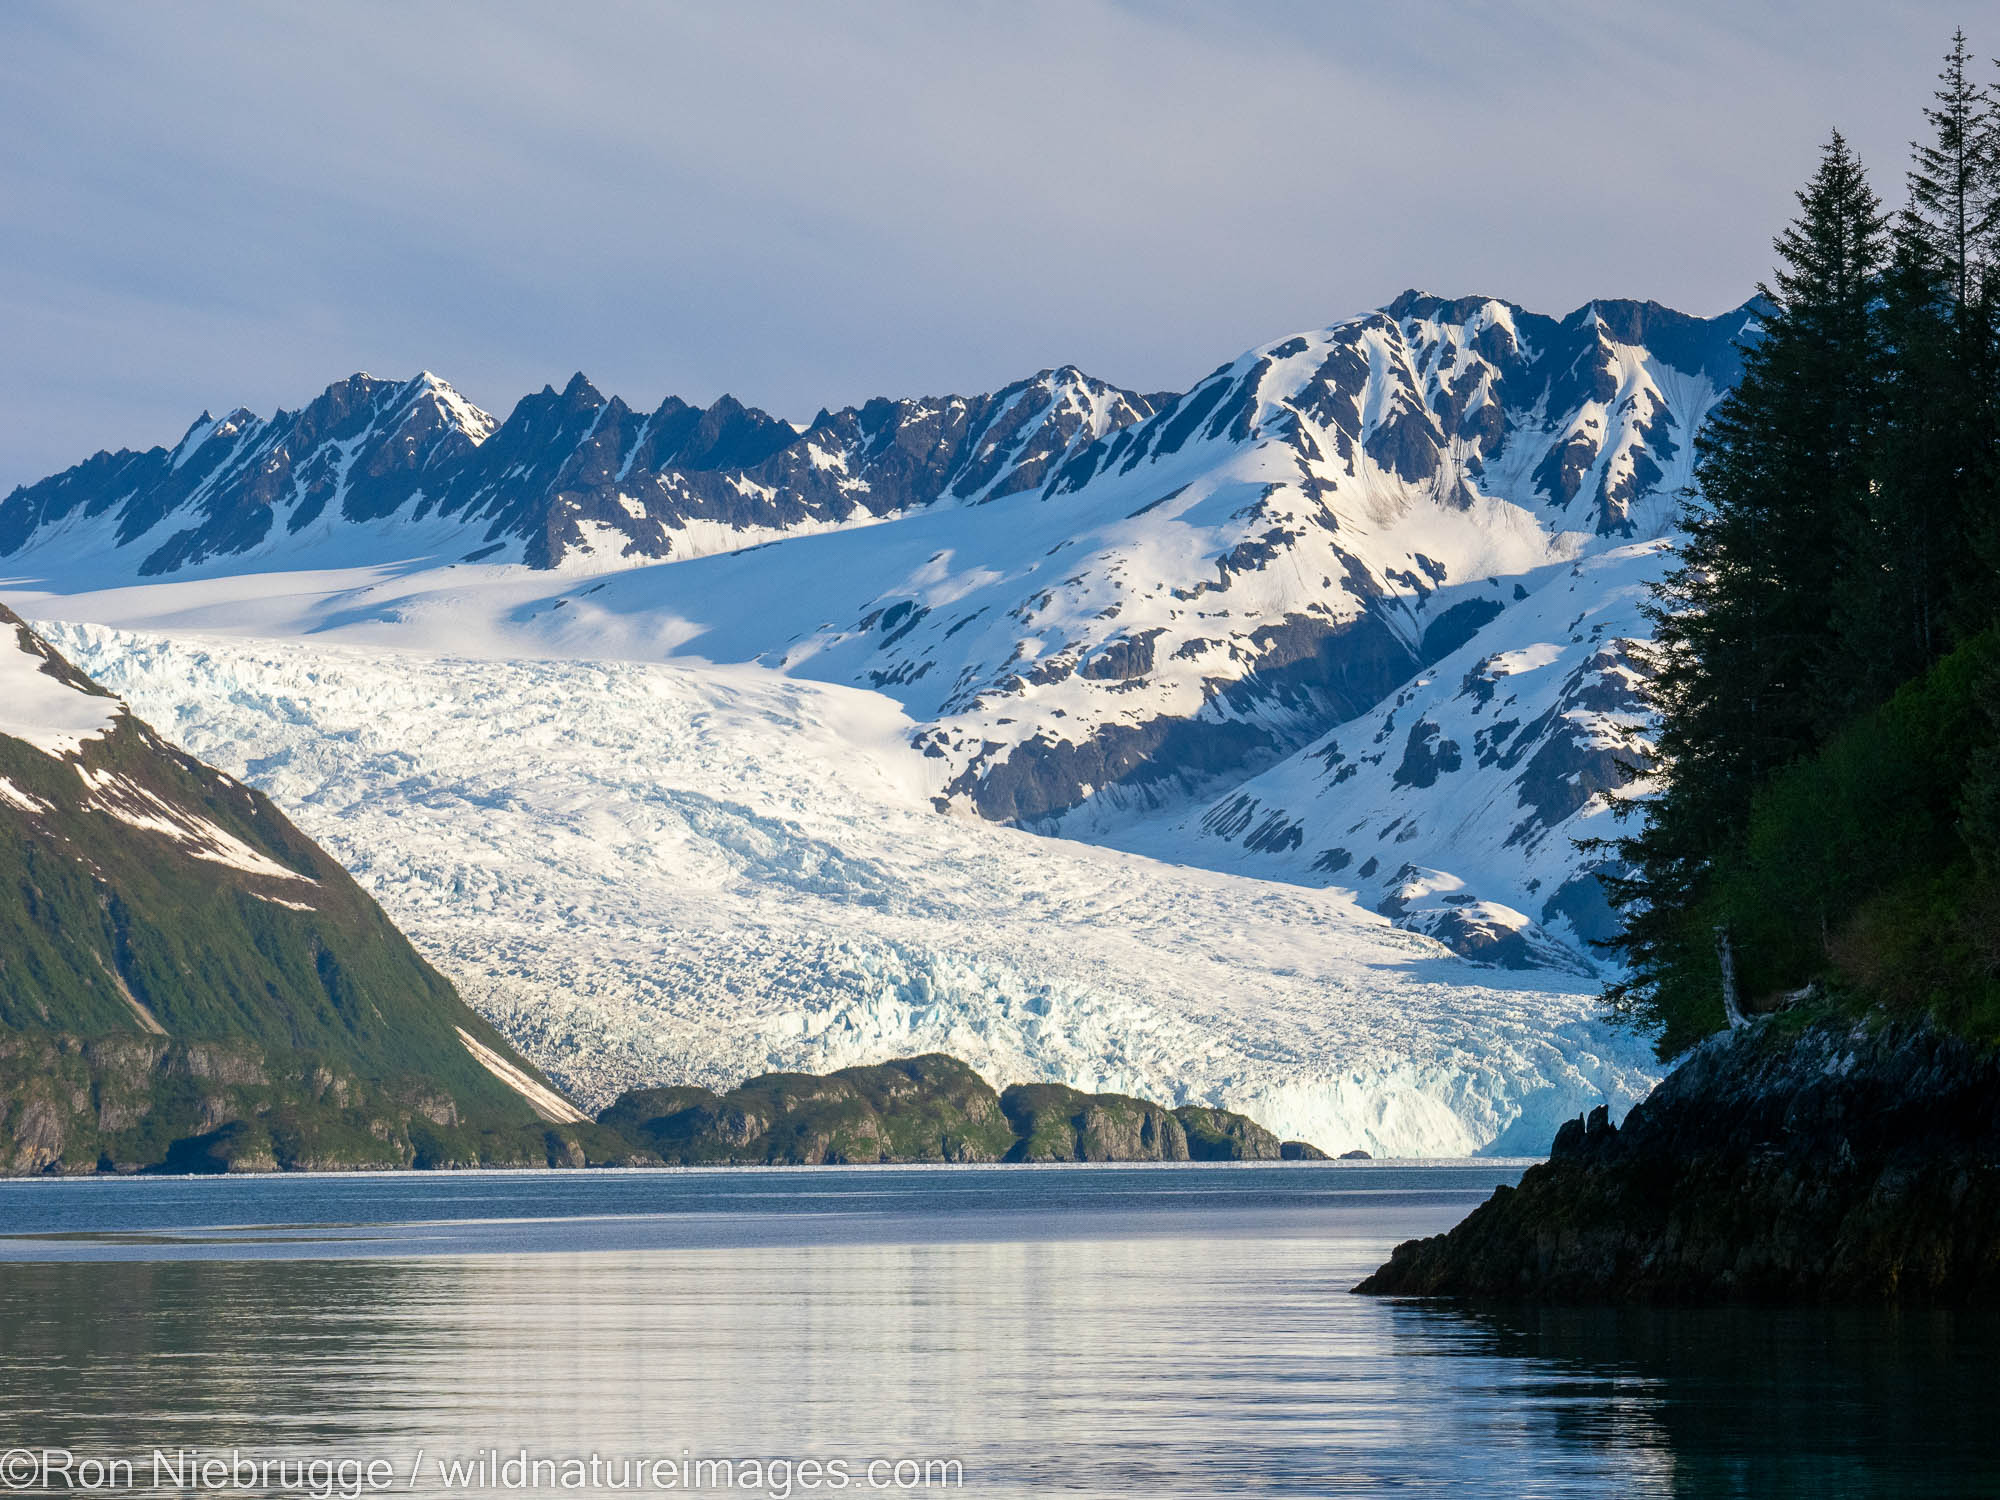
[{"x": 647, "y": 871}]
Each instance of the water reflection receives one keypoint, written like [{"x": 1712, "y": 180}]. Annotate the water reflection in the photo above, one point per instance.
[
  {"x": 1751, "y": 1401},
  {"x": 1174, "y": 1353}
]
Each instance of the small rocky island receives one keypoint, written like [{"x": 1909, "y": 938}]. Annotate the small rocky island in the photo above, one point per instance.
[
  {"x": 925, "y": 1109},
  {"x": 1787, "y": 1161}
]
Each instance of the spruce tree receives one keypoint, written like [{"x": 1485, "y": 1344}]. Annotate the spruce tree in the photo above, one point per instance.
[
  {"x": 1954, "y": 197},
  {"x": 1920, "y": 575},
  {"x": 1744, "y": 621}
]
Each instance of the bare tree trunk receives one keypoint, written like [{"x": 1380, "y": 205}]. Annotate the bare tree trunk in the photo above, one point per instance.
[{"x": 1725, "y": 957}]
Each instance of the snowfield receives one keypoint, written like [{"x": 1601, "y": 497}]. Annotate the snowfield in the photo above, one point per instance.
[{"x": 649, "y": 873}]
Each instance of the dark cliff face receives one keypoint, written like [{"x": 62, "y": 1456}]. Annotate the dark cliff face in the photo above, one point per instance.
[{"x": 1837, "y": 1163}]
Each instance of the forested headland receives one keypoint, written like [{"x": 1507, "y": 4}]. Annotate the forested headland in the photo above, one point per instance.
[{"x": 1825, "y": 833}]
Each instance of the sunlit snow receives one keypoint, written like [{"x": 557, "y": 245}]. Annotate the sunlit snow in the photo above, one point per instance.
[
  {"x": 655, "y": 873},
  {"x": 43, "y": 710}
]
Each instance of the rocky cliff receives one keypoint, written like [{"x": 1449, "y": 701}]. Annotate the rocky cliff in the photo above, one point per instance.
[{"x": 1821, "y": 1161}]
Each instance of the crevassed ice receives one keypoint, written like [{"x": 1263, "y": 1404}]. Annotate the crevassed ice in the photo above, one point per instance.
[{"x": 663, "y": 873}]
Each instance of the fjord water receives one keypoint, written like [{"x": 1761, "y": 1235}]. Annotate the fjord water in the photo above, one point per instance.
[{"x": 1087, "y": 1331}]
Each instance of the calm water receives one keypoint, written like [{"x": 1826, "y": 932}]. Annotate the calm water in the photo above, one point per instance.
[{"x": 1084, "y": 1331}]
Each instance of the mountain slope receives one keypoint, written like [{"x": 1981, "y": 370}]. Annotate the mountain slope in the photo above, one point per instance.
[
  {"x": 1098, "y": 610},
  {"x": 1455, "y": 806},
  {"x": 147, "y": 897}
]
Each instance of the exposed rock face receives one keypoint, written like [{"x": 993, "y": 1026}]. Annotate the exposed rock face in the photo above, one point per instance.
[
  {"x": 1057, "y": 1123},
  {"x": 1840, "y": 1164}
]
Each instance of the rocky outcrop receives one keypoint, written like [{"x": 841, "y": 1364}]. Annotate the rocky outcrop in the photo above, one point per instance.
[
  {"x": 1057, "y": 1123},
  {"x": 932, "y": 1108},
  {"x": 1219, "y": 1135},
  {"x": 1822, "y": 1162}
]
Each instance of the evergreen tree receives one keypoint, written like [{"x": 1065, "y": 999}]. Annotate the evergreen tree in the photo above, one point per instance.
[
  {"x": 1745, "y": 621},
  {"x": 1916, "y": 582},
  {"x": 1954, "y": 197}
]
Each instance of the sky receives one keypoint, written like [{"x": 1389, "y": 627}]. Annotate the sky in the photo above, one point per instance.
[{"x": 207, "y": 206}]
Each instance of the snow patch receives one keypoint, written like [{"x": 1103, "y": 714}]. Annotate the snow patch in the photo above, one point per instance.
[
  {"x": 550, "y": 1105},
  {"x": 48, "y": 713},
  {"x": 136, "y": 807},
  {"x": 26, "y": 802}
]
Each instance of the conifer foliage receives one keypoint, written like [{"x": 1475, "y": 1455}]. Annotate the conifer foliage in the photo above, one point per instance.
[{"x": 1841, "y": 543}]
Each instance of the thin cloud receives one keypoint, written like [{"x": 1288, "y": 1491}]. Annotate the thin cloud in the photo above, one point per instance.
[{"x": 805, "y": 205}]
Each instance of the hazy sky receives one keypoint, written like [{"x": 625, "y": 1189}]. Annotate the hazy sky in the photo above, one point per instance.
[{"x": 222, "y": 205}]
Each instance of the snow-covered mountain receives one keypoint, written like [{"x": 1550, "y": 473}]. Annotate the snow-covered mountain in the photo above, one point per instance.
[
  {"x": 1454, "y": 806},
  {"x": 1358, "y": 610},
  {"x": 647, "y": 872},
  {"x": 373, "y": 468}
]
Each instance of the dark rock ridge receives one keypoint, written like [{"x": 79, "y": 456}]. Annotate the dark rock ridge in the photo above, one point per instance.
[
  {"x": 567, "y": 470},
  {"x": 1833, "y": 1163},
  {"x": 932, "y": 1108}
]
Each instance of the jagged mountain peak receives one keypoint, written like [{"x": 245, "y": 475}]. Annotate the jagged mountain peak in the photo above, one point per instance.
[
  {"x": 579, "y": 392},
  {"x": 1095, "y": 605}
]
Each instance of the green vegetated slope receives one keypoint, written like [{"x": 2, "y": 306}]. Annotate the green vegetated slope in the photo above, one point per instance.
[
  {"x": 1866, "y": 877},
  {"x": 931, "y": 1108},
  {"x": 186, "y": 980}
]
